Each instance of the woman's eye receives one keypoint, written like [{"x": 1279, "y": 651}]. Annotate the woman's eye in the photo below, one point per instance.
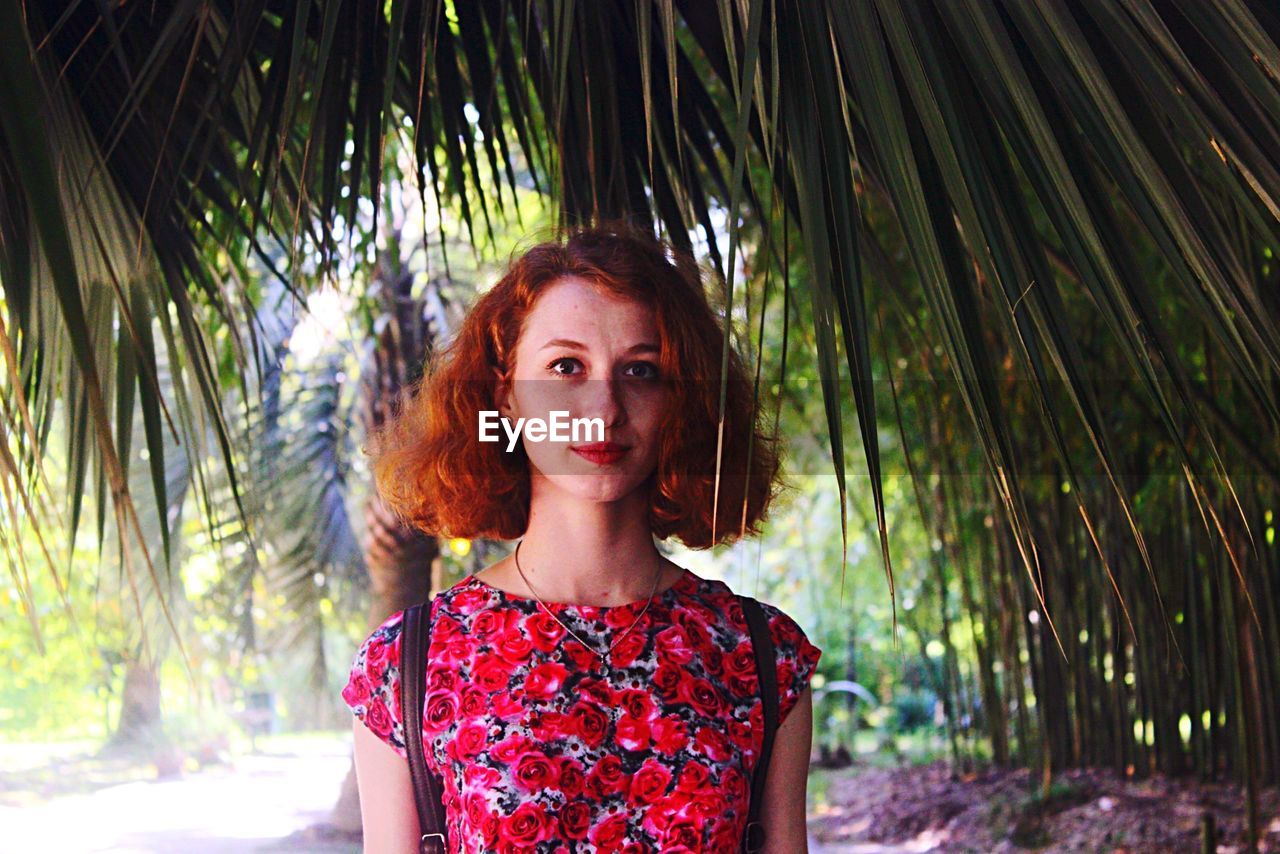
[
  {"x": 648, "y": 370},
  {"x": 563, "y": 360}
]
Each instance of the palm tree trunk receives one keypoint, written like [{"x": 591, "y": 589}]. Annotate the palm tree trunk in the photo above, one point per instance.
[
  {"x": 402, "y": 563},
  {"x": 402, "y": 567},
  {"x": 140, "y": 733},
  {"x": 140, "y": 716}
]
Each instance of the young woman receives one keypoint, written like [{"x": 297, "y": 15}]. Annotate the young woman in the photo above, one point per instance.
[{"x": 585, "y": 693}]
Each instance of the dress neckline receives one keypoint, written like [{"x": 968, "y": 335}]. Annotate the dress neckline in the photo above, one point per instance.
[{"x": 685, "y": 582}]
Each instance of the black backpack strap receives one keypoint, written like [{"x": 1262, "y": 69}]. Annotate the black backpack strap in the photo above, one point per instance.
[
  {"x": 766, "y": 670},
  {"x": 428, "y": 788}
]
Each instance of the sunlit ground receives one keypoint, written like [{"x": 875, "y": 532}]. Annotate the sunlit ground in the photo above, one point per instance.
[
  {"x": 54, "y": 798},
  {"x": 58, "y": 798}
]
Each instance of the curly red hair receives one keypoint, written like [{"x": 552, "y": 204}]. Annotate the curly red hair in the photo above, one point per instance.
[{"x": 435, "y": 474}]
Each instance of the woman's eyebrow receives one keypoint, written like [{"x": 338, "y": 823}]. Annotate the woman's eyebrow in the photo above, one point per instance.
[{"x": 643, "y": 347}]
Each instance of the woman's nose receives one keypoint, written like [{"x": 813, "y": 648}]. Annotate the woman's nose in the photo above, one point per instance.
[{"x": 603, "y": 399}]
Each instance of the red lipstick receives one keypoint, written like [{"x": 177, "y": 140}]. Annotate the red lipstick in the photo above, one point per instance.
[{"x": 601, "y": 453}]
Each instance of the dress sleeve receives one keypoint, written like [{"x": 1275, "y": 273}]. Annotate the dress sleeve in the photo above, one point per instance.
[
  {"x": 796, "y": 656},
  {"x": 372, "y": 691}
]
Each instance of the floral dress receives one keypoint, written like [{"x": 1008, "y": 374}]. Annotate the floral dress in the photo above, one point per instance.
[{"x": 544, "y": 748}]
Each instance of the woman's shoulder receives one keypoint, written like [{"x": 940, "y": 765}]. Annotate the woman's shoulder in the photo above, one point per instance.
[
  {"x": 714, "y": 593},
  {"x": 372, "y": 691},
  {"x": 795, "y": 654}
]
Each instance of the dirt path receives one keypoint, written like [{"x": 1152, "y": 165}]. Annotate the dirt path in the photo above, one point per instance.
[
  {"x": 265, "y": 801},
  {"x": 253, "y": 804},
  {"x": 920, "y": 808}
]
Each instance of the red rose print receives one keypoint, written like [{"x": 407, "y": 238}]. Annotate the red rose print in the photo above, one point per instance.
[
  {"x": 655, "y": 821},
  {"x": 713, "y": 661},
  {"x": 545, "y": 680},
  {"x": 375, "y": 660},
  {"x": 511, "y": 748},
  {"x": 475, "y": 807},
  {"x": 608, "y": 835},
  {"x": 575, "y": 819},
  {"x": 479, "y": 777},
  {"x": 512, "y": 643},
  {"x": 740, "y": 669},
  {"x": 445, "y": 628},
  {"x": 357, "y": 691},
  {"x": 636, "y": 703},
  {"x": 578, "y": 657},
  {"x": 443, "y": 680},
  {"x": 712, "y": 744},
  {"x": 544, "y": 631},
  {"x": 667, "y": 680},
  {"x": 669, "y": 735},
  {"x": 534, "y": 772},
  {"x": 694, "y": 777},
  {"x": 546, "y": 725},
  {"x": 682, "y": 834},
  {"x": 632, "y": 733},
  {"x": 469, "y": 600},
  {"x": 698, "y": 637},
  {"x": 491, "y": 674},
  {"x": 469, "y": 741},
  {"x": 440, "y": 710},
  {"x": 543, "y": 749},
  {"x": 588, "y": 723},
  {"x": 627, "y": 650},
  {"x": 485, "y": 623},
  {"x": 619, "y": 618},
  {"x": 606, "y": 778},
  {"x": 489, "y": 831},
  {"x": 505, "y": 705},
  {"x": 673, "y": 643},
  {"x": 706, "y": 806},
  {"x": 378, "y": 718},
  {"x": 393, "y": 654},
  {"x": 648, "y": 783},
  {"x": 572, "y": 778},
  {"x": 449, "y": 644},
  {"x": 741, "y": 735},
  {"x": 727, "y": 837},
  {"x": 526, "y": 827},
  {"x": 703, "y": 696},
  {"x": 734, "y": 784},
  {"x": 472, "y": 701}
]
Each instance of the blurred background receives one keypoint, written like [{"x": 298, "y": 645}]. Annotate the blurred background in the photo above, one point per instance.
[{"x": 1005, "y": 273}]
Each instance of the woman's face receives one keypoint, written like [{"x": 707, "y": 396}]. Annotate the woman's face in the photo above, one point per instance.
[{"x": 593, "y": 355}]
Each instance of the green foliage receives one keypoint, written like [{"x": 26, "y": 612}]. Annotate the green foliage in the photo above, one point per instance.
[
  {"x": 914, "y": 710},
  {"x": 68, "y": 690}
]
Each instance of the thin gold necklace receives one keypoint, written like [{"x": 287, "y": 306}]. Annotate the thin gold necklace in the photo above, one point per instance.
[{"x": 604, "y": 656}]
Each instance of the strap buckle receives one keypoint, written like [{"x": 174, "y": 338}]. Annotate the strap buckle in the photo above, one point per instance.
[
  {"x": 753, "y": 839},
  {"x": 425, "y": 846}
]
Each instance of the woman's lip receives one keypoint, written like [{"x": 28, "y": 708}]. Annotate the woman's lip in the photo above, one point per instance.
[{"x": 601, "y": 457}]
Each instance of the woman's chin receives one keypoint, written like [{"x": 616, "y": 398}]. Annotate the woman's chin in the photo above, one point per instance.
[{"x": 603, "y": 487}]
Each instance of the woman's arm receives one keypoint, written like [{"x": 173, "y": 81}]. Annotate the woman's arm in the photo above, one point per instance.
[
  {"x": 387, "y": 809},
  {"x": 783, "y": 812}
]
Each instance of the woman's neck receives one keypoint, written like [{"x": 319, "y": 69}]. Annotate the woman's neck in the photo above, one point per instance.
[{"x": 586, "y": 552}]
